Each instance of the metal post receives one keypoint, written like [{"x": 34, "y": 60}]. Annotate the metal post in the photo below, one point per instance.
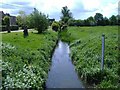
[{"x": 103, "y": 49}]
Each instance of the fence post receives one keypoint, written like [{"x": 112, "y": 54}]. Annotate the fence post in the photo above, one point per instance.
[{"x": 103, "y": 51}]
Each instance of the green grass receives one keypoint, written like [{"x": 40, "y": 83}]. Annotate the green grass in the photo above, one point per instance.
[
  {"x": 85, "y": 45},
  {"x": 26, "y": 61},
  {"x": 33, "y": 41},
  {"x": 75, "y": 33}
]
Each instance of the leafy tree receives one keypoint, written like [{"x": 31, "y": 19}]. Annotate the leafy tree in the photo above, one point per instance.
[
  {"x": 71, "y": 22},
  {"x": 39, "y": 21},
  {"x": 99, "y": 18},
  {"x": 21, "y": 18},
  {"x": 113, "y": 20},
  {"x": 19, "y": 21},
  {"x": 66, "y": 14},
  {"x": 6, "y": 20},
  {"x": 91, "y": 21},
  {"x": 86, "y": 22},
  {"x": 106, "y": 21},
  {"x": 28, "y": 21}
]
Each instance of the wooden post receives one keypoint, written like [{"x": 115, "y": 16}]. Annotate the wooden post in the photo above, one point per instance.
[{"x": 103, "y": 49}]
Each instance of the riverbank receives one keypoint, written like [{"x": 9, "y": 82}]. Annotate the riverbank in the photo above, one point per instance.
[
  {"x": 26, "y": 61},
  {"x": 85, "y": 45}
]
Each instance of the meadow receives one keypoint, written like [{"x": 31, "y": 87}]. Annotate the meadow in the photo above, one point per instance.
[
  {"x": 86, "y": 44},
  {"x": 26, "y": 61}
]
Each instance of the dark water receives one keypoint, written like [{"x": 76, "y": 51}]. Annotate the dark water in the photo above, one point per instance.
[{"x": 62, "y": 73}]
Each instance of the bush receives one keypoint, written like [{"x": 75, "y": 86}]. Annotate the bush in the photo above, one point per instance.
[
  {"x": 12, "y": 28},
  {"x": 55, "y": 26},
  {"x": 3, "y": 28},
  {"x": 39, "y": 21}
]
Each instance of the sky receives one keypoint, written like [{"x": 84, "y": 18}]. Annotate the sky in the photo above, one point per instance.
[{"x": 81, "y": 9}]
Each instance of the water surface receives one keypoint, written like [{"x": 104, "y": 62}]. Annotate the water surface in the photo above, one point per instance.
[{"x": 62, "y": 73}]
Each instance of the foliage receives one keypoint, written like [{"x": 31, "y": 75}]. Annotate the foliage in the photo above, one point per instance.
[
  {"x": 85, "y": 44},
  {"x": 6, "y": 20},
  {"x": 14, "y": 27},
  {"x": 98, "y": 18},
  {"x": 55, "y": 26},
  {"x": 113, "y": 20},
  {"x": 26, "y": 61},
  {"x": 66, "y": 14},
  {"x": 3, "y": 27},
  {"x": 39, "y": 21},
  {"x": 21, "y": 18}
]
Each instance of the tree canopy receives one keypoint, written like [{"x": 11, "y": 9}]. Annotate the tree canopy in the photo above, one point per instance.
[
  {"x": 39, "y": 21},
  {"x": 66, "y": 14}
]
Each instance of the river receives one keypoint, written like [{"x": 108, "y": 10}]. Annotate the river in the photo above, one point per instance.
[{"x": 62, "y": 73}]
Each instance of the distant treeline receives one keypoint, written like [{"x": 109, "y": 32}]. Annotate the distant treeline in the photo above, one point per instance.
[{"x": 97, "y": 20}]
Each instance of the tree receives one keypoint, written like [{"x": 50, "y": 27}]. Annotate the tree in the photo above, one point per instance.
[
  {"x": 66, "y": 14},
  {"x": 21, "y": 18},
  {"x": 39, "y": 21},
  {"x": 113, "y": 20},
  {"x": 106, "y": 21},
  {"x": 6, "y": 20},
  {"x": 28, "y": 21},
  {"x": 91, "y": 21},
  {"x": 71, "y": 22},
  {"x": 99, "y": 18}
]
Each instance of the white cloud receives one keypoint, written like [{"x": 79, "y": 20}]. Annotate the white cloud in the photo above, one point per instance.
[
  {"x": 91, "y": 4},
  {"x": 49, "y": 6},
  {"x": 80, "y": 8},
  {"x": 110, "y": 9}
]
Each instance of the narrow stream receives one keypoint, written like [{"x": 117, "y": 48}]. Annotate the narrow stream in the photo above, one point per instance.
[{"x": 62, "y": 73}]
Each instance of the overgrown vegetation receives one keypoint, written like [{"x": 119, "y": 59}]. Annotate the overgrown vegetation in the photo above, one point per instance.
[
  {"x": 26, "y": 61},
  {"x": 85, "y": 44}
]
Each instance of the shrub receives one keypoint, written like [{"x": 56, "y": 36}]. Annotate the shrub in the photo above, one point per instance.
[
  {"x": 39, "y": 21},
  {"x": 14, "y": 27},
  {"x": 55, "y": 26},
  {"x": 3, "y": 28}
]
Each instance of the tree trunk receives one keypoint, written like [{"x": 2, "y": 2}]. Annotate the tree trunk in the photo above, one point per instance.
[{"x": 8, "y": 28}]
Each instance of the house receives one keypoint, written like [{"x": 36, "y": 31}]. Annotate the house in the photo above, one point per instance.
[
  {"x": 12, "y": 18},
  {"x": 1, "y": 16}
]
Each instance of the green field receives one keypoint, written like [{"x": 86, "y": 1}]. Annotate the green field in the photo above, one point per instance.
[
  {"x": 26, "y": 61},
  {"x": 85, "y": 45}
]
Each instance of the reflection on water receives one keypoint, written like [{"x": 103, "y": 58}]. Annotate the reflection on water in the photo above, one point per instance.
[{"x": 62, "y": 73}]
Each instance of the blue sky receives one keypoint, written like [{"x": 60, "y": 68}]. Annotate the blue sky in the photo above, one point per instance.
[{"x": 81, "y": 9}]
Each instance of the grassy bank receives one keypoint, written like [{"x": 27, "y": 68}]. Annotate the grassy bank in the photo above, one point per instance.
[
  {"x": 85, "y": 44},
  {"x": 26, "y": 61}
]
